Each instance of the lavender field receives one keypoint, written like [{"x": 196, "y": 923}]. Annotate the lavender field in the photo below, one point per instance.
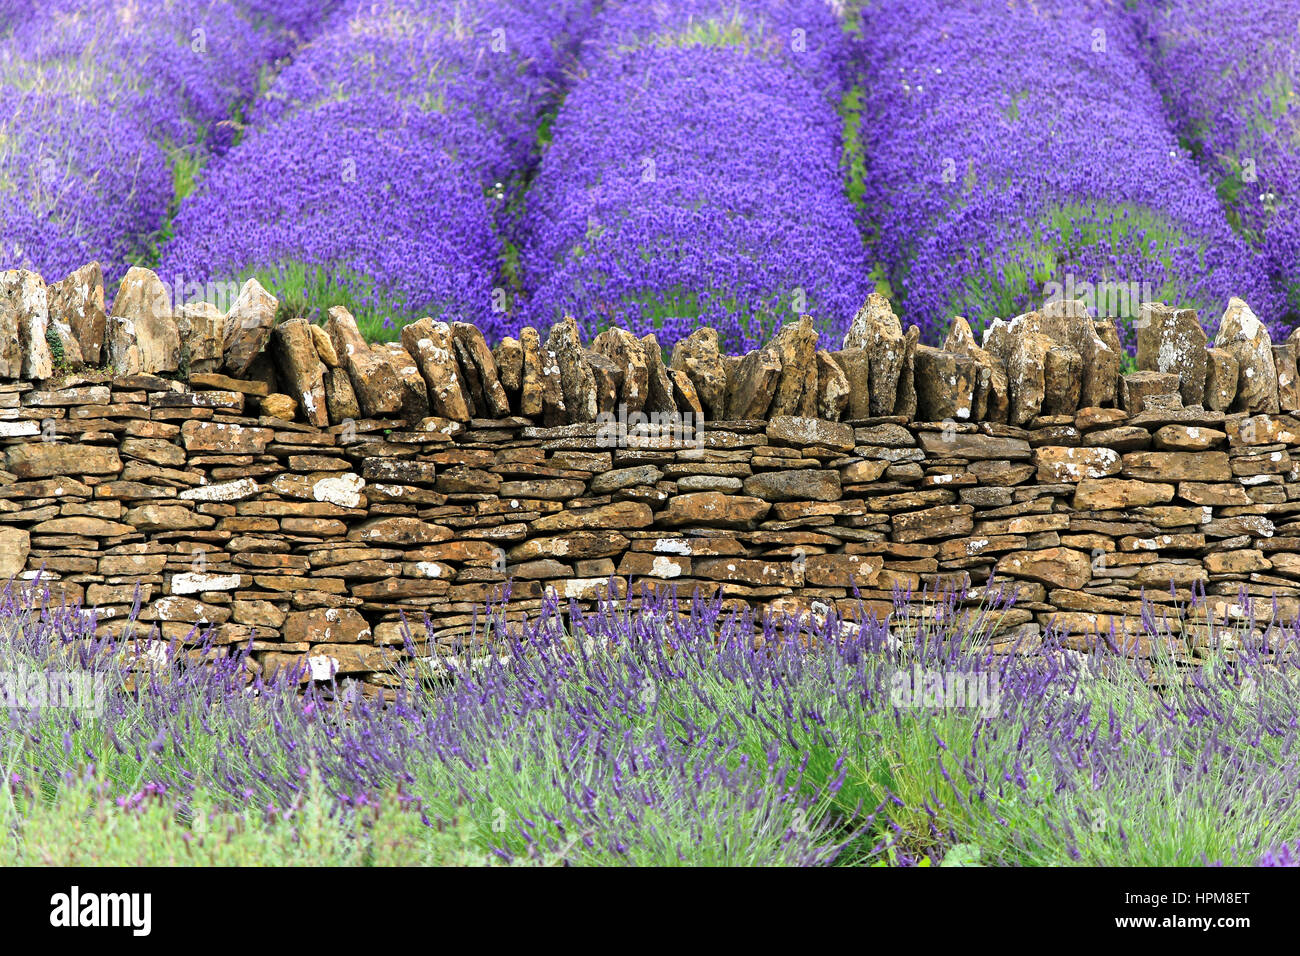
[
  {"x": 661, "y": 166},
  {"x": 663, "y": 734},
  {"x": 664, "y": 167}
]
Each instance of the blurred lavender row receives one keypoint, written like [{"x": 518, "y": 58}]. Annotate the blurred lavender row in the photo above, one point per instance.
[
  {"x": 1230, "y": 75},
  {"x": 694, "y": 177},
  {"x": 1026, "y": 146},
  {"x": 108, "y": 109},
  {"x": 379, "y": 159}
]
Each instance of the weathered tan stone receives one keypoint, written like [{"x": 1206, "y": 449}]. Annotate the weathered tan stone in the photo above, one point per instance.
[
  {"x": 509, "y": 356},
  {"x": 945, "y": 385},
  {"x": 15, "y": 545},
  {"x": 531, "y": 386},
  {"x": 1026, "y": 371},
  {"x": 1057, "y": 567},
  {"x": 248, "y": 327},
  {"x": 876, "y": 330},
  {"x": 577, "y": 380},
  {"x": 479, "y": 369},
  {"x": 378, "y": 390},
  {"x": 1221, "y": 371},
  {"x": 1288, "y": 388},
  {"x": 624, "y": 350},
  {"x": 1177, "y": 466},
  {"x": 225, "y": 439},
  {"x": 711, "y": 509},
  {"x": 803, "y": 432},
  {"x": 340, "y": 398},
  {"x": 1138, "y": 388},
  {"x": 1172, "y": 340},
  {"x": 1062, "y": 380},
  {"x": 1068, "y": 323},
  {"x": 1066, "y": 464},
  {"x": 200, "y": 327},
  {"x": 40, "y": 459},
  {"x": 77, "y": 304},
  {"x": 833, "y": 390},
  {"x": 699, "y": 356},
  {"x": 1106, "y": 494},
  {"x": 856, "y": 365},
  {"x": 990, "y": 400},
  {"x": 142, "y": 336},
  {"x": 752, "y": 385},
  {"x": 1243, "y": 335},
  {"x": 430, "y": 344},
  {"x": 795, "y": 344},
  {"x": 797, "y": 485},
  {"x": 302, "y": 369},
  {"x": 415, "y": 394}
]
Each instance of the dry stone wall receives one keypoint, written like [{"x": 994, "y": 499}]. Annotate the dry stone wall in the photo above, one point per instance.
[{"x": 294, "y": 487}]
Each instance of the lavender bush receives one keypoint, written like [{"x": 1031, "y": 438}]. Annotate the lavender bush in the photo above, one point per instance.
[
  {"x": 693, "y": 177},
  {"x": 1228, "y": 72},
  {"x": 667, "y": 734},
  {"x": 109, "y": 109},
  {"x": 392, "y": 142},
  {"x": 1018, "y": 147}
]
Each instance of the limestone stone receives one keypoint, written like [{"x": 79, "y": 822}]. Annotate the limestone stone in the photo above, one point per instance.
[
  {"x": 24, "y": 300},
  {"x": 1288, "y": 388},
  {"x": 609, "y": 381},
  {"x": 530, "y": 383},
  {"x": 302, "y": 369},
  {"x": 415, "y": 394},
  {"x": 480, "y": 371},
  {"x": 378, "y": 391},
  {"x": 876, "y": 329},
  {"x": 200, "y": 327},
  {"x": 1221, "y": 371},
  {"x": 659, "y": 398},
  {"x": 1068, "y": 323},
  {"x": 989, "y": 400},
  {"x": 1106, "y": 494},
  {"x": 45, "y": 459},
  {"x": 509, "y": 356},
  {"x": 753, "y": 385},
  {"x": 1056, "y": 567},
  {"x": 1062, "y": 381},
  {"x": 711, "y": 509},
  {"x": 1026, "y": 376},
  {"x": 699, "y": 356},
  {"x": 1139, "y": 388},
  {"x": 832, "y": 388},
  {"x": 945, "y": 385},
  {"x": 325, "y": 347},
  {"x": 795, "y": 344},
  {"x": 15, "y": 545},
  {"x": 142, "y": 335},
  {"x": 1243, "y": 335},
  {"x": 796, "y": 485},
  {"x": 340, "y": 398},
  {"x": 248, "y": 327},
  {"x": 77, "y": 303},
  {"x": 1172, "y": 340},
  {"x": 624, "y": 350},
  {"x": 577, "y": 380},
  {"x": 856, "y": 366},
  {"x": 430, "y": 344}
]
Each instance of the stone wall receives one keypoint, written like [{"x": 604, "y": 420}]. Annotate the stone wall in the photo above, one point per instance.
[{"x": 300, "y": 489}]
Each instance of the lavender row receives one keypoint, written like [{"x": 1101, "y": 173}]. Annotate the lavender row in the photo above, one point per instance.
[
  {"x": 1023, "y": 154},
  {"x": 107, "y": 109},
  {"x": 693, "y": 179},
  {"x": 1228, "y": 72},
  {"x": 379, "y": 159}
]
